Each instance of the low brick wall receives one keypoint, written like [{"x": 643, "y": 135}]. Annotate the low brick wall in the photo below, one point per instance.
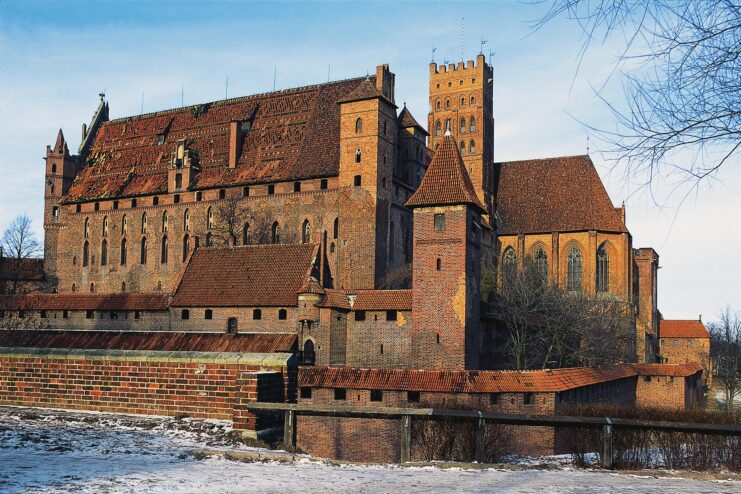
[{"x": 200, "y": 384}]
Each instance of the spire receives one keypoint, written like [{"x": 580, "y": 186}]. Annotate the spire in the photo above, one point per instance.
[
  {"x": 446, "y": 180},
  {"x": 406, "y": 120},
  {"x": 61, "y": 144}
]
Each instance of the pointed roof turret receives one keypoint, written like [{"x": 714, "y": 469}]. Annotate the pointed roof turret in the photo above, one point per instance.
[
  {"x": 311, "y": 285},
  {"x": 406, "y": 120},
  {"x": 446, "y": 180},
  {"x": 365, "y": 90},
  {"x": 61, "y": 144}
]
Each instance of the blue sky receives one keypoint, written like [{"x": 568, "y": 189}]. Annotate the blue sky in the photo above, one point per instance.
[{"x": 56, "y": 57}]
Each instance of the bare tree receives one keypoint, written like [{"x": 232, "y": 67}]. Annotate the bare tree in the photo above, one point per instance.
[
  {"x": 18, "y": 245},
  {"x": 680, "y": 67},
  {"x": 726, "y": 351},
  {"x": 230, "y": 217}
]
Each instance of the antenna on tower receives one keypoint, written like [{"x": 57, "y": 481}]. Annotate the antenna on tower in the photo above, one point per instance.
[
  {"x": 141, "y": 112},
  {"x": 433, "y": 54},
  {"x": 483, "y": 42},
  {"x": 587, "y": 143},
  {"x": 329, "y": 67},
  {"x": 275, "y": 76},
  {"x": 463, "y": 34},
  {"x": 226, "y": 89},
  {"x": 182, "y": 95}
]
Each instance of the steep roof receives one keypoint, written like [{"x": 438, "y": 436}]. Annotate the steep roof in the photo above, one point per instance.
[
  {"x": 682, "y": 329},
  {"x": 406, "y": 120},
  {"x": 247, "y": 276},
  {"x": 294, "y": 135},
  {"x": 465, "y": 381},
  {"x": 553, "y": 195},
  {"x": 365, "y": 90},
  {"x": 368, "y": 299},
  {"x": 86, "y": 301},
  {"x": 154, "y": 340},
  {"x": 446, "y": 180}
]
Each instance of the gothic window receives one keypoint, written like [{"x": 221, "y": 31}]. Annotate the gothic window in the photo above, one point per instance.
[
  {"x": 104, "y": 252},
  {"x": 472, "y": 147},
  {"x": 210, "y": 218},
  {"x": 124, "y": 225},
  {"x": 574, "y": 273},
  {"x": 144, "y": 223},
  {"x": 473, "y": 100},
  {"x": 541, "y": 262},
  {"x": 447, "y": 103},
  {"x": 92, "y": 287},
  {"x": 358, "y": 125},
  {"x": 105, "y": 226},
  {"x": 51, "y": 188},
  {"x": 305, "y": 232},
  {"x": 86, "y": 228},
  {"x": 85, "y": 254},
  {"x": 54, "y": 168},
  {"x": 186, "y": 221},
  {"x": 164, "y": 222},
  {"x": 472, "y": 125},
  {"x": 123, "y": 287},
  {"x": 246, "y": 234},
  {"x": 437, "y": 104},
  {"x": 603, "y": 269},
  {"x": 143, "y": 251},
  {"x": 163, "y": 254},
  {"x": 463, "y": 126},
  {"x": 463, "y": 101},
  {"x": 463, "y": 148},
  {"x": 178, "y": 180},
  {"x": 437, "y": 128},
  {"x": 209, "y": 240},
  {"x": 275, "y": 233},
  {"x": 447, "y": 124},
  {"x": 358, "y": 155},
  {"x": 336, "y": 228},
  {"x": 186, "y": 246},
  {"x": 123, "y": 252},
  {"x": 509, "y": 266}
]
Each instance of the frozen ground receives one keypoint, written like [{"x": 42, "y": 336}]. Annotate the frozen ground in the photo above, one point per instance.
[{"x": 52, "y": 451}]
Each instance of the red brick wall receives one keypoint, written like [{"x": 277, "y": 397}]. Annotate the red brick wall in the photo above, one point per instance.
[{"x": 661, "y": 391}]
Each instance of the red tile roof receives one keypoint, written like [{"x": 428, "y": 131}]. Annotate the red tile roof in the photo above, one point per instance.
[
  {"x": 247, "y": 276},
  {"x": 675, "y": 370},
  {"x": 406, "y": 120},
  {"x": 368, "y": 299},
  {"x": 365, "y": 90},
  {"x": 553, "y": 195},
  {"x": 446, "y": 180},
  {"x": 311, "y": 285},
  {"x": 155, "y": 340},
  {"x": 294, "y": 135},
  {"x": 459, "y": 381},
  {"x": 25, "y": 269},
  {"x": 682, "y": 329},
  {"x": 88, "y": 301}
]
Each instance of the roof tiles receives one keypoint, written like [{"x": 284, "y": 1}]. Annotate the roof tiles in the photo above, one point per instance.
[
  {"x": 368, "y": 299},
  {"x": 87, "y": 301},
  {"x": 682, "y": 329}
]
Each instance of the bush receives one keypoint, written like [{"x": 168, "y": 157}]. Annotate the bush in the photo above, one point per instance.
[{"x": 454, "y": 439}]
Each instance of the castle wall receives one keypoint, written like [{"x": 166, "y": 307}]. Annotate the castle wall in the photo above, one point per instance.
[
  {"x": 377, "y": 341},
  {"x": 684, "y": 350}
]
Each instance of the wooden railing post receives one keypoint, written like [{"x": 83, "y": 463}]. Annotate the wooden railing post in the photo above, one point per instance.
[
  {"x": 607, "y": 445},
  {"x": 289, "y": 428},
  {"x": 406, "y": 439},
  {"x": 480, "y": 453}
]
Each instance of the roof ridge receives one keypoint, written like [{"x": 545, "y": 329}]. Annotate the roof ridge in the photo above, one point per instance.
[{"x": 544, "y": 159}]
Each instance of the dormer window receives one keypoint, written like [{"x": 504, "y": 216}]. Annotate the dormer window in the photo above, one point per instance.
[{"x": 160, "y": 139}]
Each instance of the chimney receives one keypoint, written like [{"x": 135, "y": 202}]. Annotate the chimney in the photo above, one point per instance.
[
  {"x": 235, "y": 143},
  {"x": 385, "y": 81}
]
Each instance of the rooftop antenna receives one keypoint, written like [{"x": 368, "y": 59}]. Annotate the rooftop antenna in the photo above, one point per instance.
[
  {"x": 463, "y": 34},
  {"x": 182, "y": 95},
  {"x": 483, "y": 42},
  {"x": 275, "y": 76},
  {"x": 433, "y": 54},
  {"x": 141, "y": 112},
  {"x": 226, "y": 90},
  {"x": 329, "y": 67},
  {"x": 587, "y": 144}
]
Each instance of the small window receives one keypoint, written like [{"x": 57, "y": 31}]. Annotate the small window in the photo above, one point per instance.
[
  {"x": 97, "y": 206},
  {"x": 115, "y": 204},
  {"x": 155, "y": 201},
  {"x": 440, "y": 222},
  {"x": 199, "y": 196},
  {"x": 358, "y": 125},
  {"x": 78, "y": 208},
  {"x": 494, "y": 398},
  {"x": 376, "y": 395},
  {"x": 463, "y": 148},
  {"x": 271, "y": 189},
  {"x": 360, "y": 315},
  {"x": 185, "y": 314},
  {"x": 391, "y": 315},
  {"x": 357, "y": 180},
  {"x": 133, "y": 203},
  {"x": 305, "y": 393},
  {"x": 113, "y": 315},
  {"x": 528, "y": 398},
  {"x": 447, "y": 102},
  {"x": 336, "y": 228},
  {"x": 647, "y": 379},
  {"x": 472, "y": 147},
  {"x": 437, "y": 338},
  {"x": 42, "y": 314},
  {"x": 89, "y": 314},
  {"x": 209, "y": 314},
  {"x": 245, "y": 191},
  {"x": 176, "y": 199},
  {"x": 231, "y": 325},
  {"x": 438, "y": 264},
  {"x": 413, "y": 396},
  {"x": 297, "y": 186},
  {"x": 257, "y": 314},
  {"x": 340, "y": 394},
  {"x": 222, "y": 193},
  {"x": 137, "y": 314},
  {"x": 65, "y": 314},
  {"x": 282, "y": 314},
  {"x": 323, "y": 184}
]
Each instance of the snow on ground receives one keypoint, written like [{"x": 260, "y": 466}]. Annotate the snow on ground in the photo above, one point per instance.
[{"x": 54, "y": 451}]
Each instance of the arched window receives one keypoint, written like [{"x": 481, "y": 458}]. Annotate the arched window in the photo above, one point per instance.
[
  {"x": 105, "y": 226},
  {"x": 472, "y": 125},
  {"x": 358, "y": 155},
  {"x": 92, "y": 287},
  {"x": 574, "y": 274},
  {"x": 186, "y": 246},
  {"x": 509, "y": 266},
  {"x": 86, "y": 228},
  {"x": 74, "y": 288},
  {"x": 447, "y": 103},
  {"x": 54, "y": 168},
  {"x": 447, "y": 124},
  {"x": 123, "y": 287},
  {"x": 85, "y": 254},
  {"x": 104, "y": 252},
  {"x": 282, "y": 314},
  {"x": 603, "y": 269},
  {"x": 186, "y": 220},
  {"x": 246, "y": 234},
  {"x": 123, "y": 252},
  {"x": 463, "y": 126},
  {"x": 463, "y": 101},
  {"x": 541, "y": 262},
  {"x": 437, "y": 128},
  {"x": 210, "y": 218},
  {"x": 143, "y": 251},
  {"x": 74, "y": 260},
  {"x": 144, "y": 223},
  {"x": 358, "y": 125},
  {"x": 437, "y": 104},
  {"x": 275, "y": 233},
  {"x": 473, "y": 100},
  {"x": 231, "y": 325},
  {"x": 308, "y": 353},
  {"x": 163, "y": 253},
  {"x": 51, "y": 188},
  {"x": 472, "y": 147},
  {"x": 164, "y": 222},
  {"x": 209, "y": 239},
  {"x": 463, "y": 148},
  {"x": 178, "y": 180},
  {"x": 331, "y": 248},
  {"x": 305, "y": 232},
  {"x": 124, "y": 225},
  {"x": 336, "y": 228}
]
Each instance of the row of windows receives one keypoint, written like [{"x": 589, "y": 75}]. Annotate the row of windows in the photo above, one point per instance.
[
  {"x": 256, "y": 314},
  {"x": 391, "y": 315},
  {"x": 575, "y": 267},
  {"x": 89, "y": 314},
  {"x": 359, "y": 126},
  {"x": 471, "y": 99},
  {"x": 340, "y": 394},
  {"x": 471, "y": 126}
]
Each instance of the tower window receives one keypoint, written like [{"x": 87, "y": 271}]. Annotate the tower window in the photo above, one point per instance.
[
  {"x": 473, "y": 100},
  {"x": 357, "y": 180},
  {"x": 438, "y": 131},
  {"x": 438, "y": 264},
  {"x": 463, "y": 99},
  {"x": 178, "y": 180},
  {"x": 104, "y": 252},
  {"x": 472, "y": 147},
  {"x": 391, "y": 315},
  {"x": 54, "y": 168},
  {"x": 336, "y": 228},
  {"x": 447, "y": 103},
  {"x": 323, "y": 184},
  {"x": 439, "y": 222},
  {"x": 115, "y": 204},
  {"x": 437, "y": 103},
  {"x": 305, "y": 232},
  {"x": 78, "y": 208},
  {"x": 472, "y": 125},
  {"x": 463, "y": 126},
  {"x": 463, "y": 148},
  {"x": 358, "y": 125},
  {"x": 55, "y": 212},
  {"x": 447, "y": 124},
  {"x": 358, "y": 155},
  {"x": 176, "y": 199},
  {"x": 275, "y": 233}
]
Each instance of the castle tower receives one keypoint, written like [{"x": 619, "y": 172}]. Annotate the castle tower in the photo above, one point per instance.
[
  {"x": 61, "y": 169},
  {"x": 461, "y": 101},
  {"x": 447, "y": 264},
  {"x": 368, "y": 134},
  {"x": 645, "y": 293},
  {"x": 413, "y": 148}
]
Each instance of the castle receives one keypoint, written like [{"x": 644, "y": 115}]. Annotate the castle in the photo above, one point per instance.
[{"x": 326, "y": 213}]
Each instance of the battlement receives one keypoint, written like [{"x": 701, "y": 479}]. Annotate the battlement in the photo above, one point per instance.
[{"x": 470, "y": 65}]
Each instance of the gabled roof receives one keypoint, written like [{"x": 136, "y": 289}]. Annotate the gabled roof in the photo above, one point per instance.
[
  {"x": 682, "y": 329},
  {"x": 365, "y": 90},
  {"x": 553, "y": 195},
  {"x": 154, "y": 341},
  {"x": 294, "y": 135},
  {"x": 311, "y": 285},
  {"x": 466, "y": 381},
  {"x": 674, "y": 370},
  {"x": 86, "y": 301},
  {"x": 446, "y": 181},
  {"x": 246, "y": 276},
  {"x": 368, "y": 299},
  {"x": 406, "y": 120}
]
